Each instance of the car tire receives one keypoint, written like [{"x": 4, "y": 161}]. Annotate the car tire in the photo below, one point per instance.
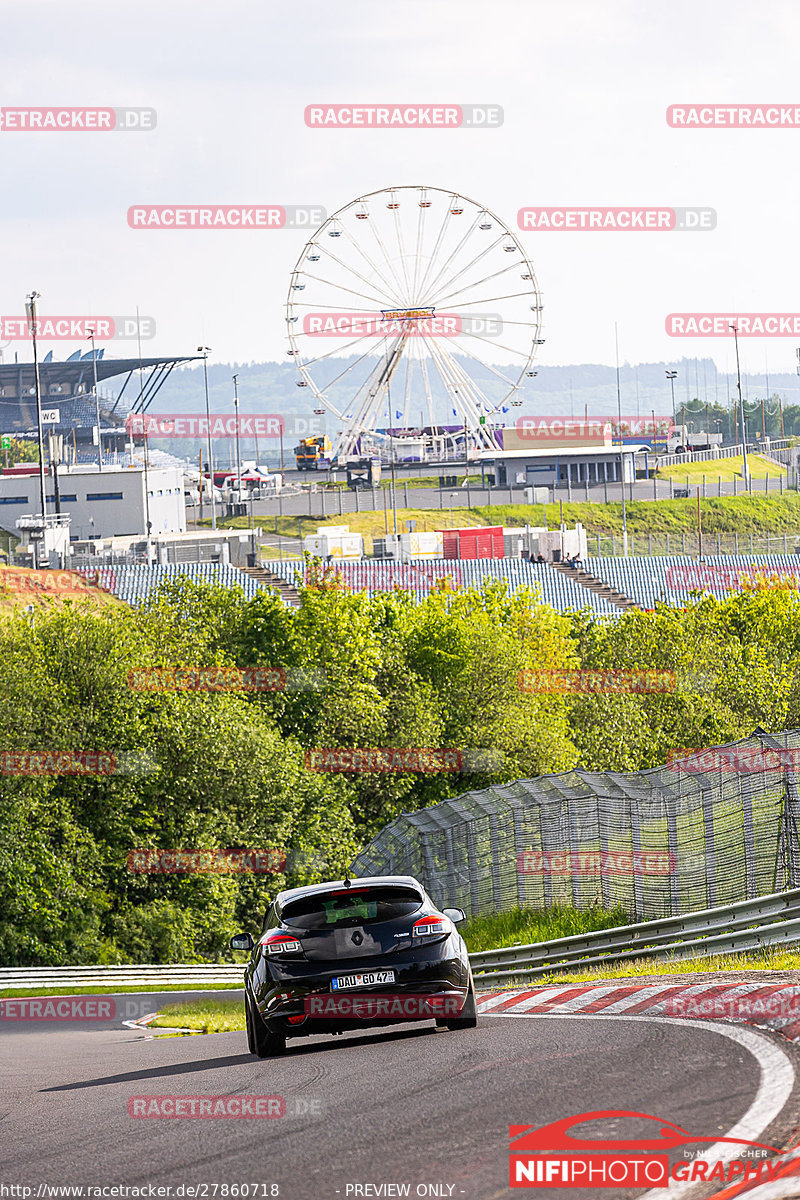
[
  {"x": 248, "y": 1022},
  {"x": 468, "y": 1017},
  {"x": 262, "y": 1039}
]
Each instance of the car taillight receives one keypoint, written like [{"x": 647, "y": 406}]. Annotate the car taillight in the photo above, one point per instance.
[
  {"x": 431, "y": 929},
  {"x": 282, "y": 945}
]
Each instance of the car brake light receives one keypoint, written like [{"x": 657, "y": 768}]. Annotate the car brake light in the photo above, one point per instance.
[
  {"x": 282, "y": 945},
  {"x": 431, "y": 929}
]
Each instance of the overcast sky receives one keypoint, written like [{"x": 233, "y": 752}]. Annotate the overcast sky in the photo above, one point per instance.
[{"x": 584, "y": 88}]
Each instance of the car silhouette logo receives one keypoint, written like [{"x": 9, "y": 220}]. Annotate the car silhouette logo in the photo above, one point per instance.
[{"x": 357, "y": 937}]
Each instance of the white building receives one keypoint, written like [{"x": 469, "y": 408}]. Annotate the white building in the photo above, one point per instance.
[{"x": 100, "y": 504}]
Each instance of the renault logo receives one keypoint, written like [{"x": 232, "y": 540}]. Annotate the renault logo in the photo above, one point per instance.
[{"x": 358, "y": 937}]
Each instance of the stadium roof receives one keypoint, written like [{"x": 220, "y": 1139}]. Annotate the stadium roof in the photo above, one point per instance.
[{"x": 69, "y": 383}]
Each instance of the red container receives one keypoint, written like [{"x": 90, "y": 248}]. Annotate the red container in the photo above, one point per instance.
[{"x": 480, "y": 542}]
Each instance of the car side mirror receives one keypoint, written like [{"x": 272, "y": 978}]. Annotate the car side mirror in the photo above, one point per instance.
[
  {"x": 456, "y": 915},
  {"x": 241, "y": 941}
]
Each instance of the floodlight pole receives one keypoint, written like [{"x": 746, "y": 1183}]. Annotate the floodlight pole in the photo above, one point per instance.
[
  {"x": 96, "y": 402},
  {"x": 205, "y": 350},
  {"x": 741, "y": 403},
  {"x": 32, "y": 319},
  {"x": 238, "y": 461},
  {"x": 621, "y": 450}
]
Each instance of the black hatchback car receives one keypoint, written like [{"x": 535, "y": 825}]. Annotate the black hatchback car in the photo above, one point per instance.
[{"x": 350, "y": 954}]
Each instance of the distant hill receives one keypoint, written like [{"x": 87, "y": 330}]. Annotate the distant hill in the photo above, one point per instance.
[{"x": 270, "y": 387}]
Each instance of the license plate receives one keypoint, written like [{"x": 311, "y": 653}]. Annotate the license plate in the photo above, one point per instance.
[{"x": 362, "y": 979}]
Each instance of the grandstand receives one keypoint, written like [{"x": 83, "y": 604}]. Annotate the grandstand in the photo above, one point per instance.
[
  {"x": 670, "y": 579},
  {"x": 135, "y": 582},
  {"x": 67, "y": 387}
]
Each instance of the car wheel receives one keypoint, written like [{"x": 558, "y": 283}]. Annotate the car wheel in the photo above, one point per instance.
[
  {"x": 468, "y": 1017},
  {"x": 266, "y": 1041},
  {"x": 248, "y": 1021}
]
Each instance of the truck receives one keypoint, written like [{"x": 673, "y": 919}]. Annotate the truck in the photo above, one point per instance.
[
  {"x": 313, "y": 453},
  {"x": 680, "y": 440}
]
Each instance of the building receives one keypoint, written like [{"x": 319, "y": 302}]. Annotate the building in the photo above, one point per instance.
[
  {"x": 562, "y": 462},
  {"x": 100, "y": 504}
]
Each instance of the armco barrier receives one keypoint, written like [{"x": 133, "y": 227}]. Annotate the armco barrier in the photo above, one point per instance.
[
  {"x": 117, "y": 977},
  {"x": 748, "y": 925},
  {"x": 751, "y": 924}
]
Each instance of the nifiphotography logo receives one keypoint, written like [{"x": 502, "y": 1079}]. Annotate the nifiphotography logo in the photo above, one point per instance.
[{"x": 553, "y": 1157}]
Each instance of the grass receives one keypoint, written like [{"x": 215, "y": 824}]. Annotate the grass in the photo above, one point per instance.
[
  {"x": 776, "y": 959},
  {"x": 756, "y": 514},
  {"x": 116, "y": 989},
  {"x": 722, "y": 468},
  {"x": 520, "y": 926},
  {"x": 212, "y": 1016}
]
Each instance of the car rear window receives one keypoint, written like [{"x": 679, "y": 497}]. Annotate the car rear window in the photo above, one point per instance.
[{"x": 354, "y": 906}]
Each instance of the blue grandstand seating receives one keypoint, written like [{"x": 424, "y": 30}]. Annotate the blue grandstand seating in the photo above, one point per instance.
[
  {"x": 134, "y": 582},
  {"x": 669, "y": 579}
]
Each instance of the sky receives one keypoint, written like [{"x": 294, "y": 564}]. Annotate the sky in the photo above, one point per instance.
[{"x": 584, "y": 90}]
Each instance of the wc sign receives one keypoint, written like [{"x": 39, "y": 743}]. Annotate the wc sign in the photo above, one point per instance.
[{"x": 51, "y": 416}]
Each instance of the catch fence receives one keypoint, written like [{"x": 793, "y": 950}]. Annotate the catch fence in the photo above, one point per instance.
[{"x": 711, "y": 828}]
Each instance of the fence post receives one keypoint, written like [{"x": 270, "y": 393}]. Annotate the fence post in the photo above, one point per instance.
[
  {"x": 586, "y": 488},
  {"x": 785, "y": 547},
  {"x": 405, "y": 492},
  {"x": 719, "y": 485},
  {"x": 736, "y": 541},
  {"x": 358, "y": 505},
  {"x": 605, "y": 489},
  {"x": 340, "y": 490},
  {"x": 751, "y": 540},
  {"x": 734, "y": 485},
  {"x": 667, "y": 543},
  {"x": 671, "y": 488},
  {"x": 780, "y": 477},
  {"x": 597, "y": 539},
  {"x": 649, "y": 546},
  {"x": 655, "y": 486},
  {"x": 704, "y": 487},
  {"x": 683, "y": 542},
  {"x": 718, "y": 545}
]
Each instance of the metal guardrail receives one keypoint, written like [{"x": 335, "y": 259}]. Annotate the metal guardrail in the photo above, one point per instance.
[
  {"x": 118, "y": 976},
  {"x": 747, "y": 925}
]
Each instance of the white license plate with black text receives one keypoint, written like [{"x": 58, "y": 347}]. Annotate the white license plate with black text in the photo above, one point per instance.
[{"x": 361, "y": 979}]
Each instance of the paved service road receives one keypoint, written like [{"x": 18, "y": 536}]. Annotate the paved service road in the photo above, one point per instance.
[{"x": 407, "y": 1106}]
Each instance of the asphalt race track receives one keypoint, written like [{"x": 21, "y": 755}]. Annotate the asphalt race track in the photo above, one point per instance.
[{"x": 411, "y": 1105}]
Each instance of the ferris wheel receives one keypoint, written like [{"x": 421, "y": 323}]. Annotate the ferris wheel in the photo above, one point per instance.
[{"x": 411, "y": 306}]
